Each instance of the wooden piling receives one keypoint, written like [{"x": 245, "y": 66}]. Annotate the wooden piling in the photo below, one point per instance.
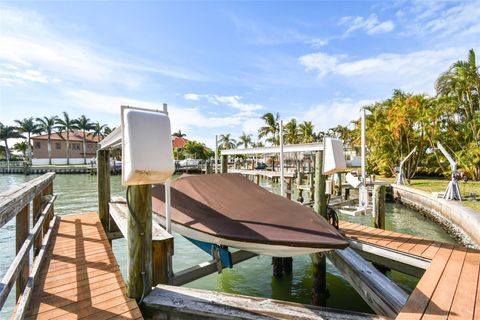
[
  {"x": 277, "y": 264},
  {"x": 21, "y": 233},
  {"x": 103, "y": 186},
  {"x": 319, "y": 289},
  {"x": 36, "y": 212},
  {"x": 162, "y": 250},
  {"x": 379, "y": 206},
  {"x": 224, "y": 164},
  {"x": 140, "y": 198}
]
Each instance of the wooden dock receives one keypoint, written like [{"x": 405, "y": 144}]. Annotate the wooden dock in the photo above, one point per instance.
[
  {"x": 450, "y": 286},
  {"x": 80, "y": 278}
]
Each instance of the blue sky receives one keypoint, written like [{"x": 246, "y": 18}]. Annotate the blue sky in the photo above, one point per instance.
[{"x": 221, "y": 65}]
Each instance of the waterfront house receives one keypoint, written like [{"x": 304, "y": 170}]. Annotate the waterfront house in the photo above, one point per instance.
[{"x": 59, "y": 148}]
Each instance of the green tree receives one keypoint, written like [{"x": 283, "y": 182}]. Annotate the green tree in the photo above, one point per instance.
[
  {"x": 21, "y": 147},
  {"x": 462, "y": 83},
  {"x": 307, "y": 135},
  {"x": 29, "y": 127},
  {"x": 107, "y": 130},
  {"x": 85, "y": 125},
  {"x": 271, "y": 129},
  {"x": 291, "y": 133},
  {"x": 244, "y": 140},
  {"x": 67, "y": 125},
  {"x": 196, "y": 149},
  {"x": 98, "y": 130},
  {"x": 179, "y": 134},
  {"x": 8, "y": 132},
  {"x": 226, "y": 142},
  {"x": 47, "y": 125}
]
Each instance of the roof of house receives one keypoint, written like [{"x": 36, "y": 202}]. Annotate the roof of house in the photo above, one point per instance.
[
  {"x": 178, "y": 142},
  {"x": 75, "y": 136}
]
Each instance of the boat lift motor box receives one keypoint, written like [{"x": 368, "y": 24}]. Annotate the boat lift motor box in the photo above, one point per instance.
[
  {"x": 333, "y": 156},
  {"x": 146, "y": 147}
]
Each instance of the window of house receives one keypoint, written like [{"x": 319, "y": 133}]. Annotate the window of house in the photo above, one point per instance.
[
  {"x": 76, "y": 146},
  {"x": 58, "y": 146},
  {"x": 37, "y": 144},
  {"x": 89, "y": 146}
]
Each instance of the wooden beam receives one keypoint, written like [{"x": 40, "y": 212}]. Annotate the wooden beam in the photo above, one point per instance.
[
  {"x": 402, "y": 258},
  {"x": 319, "y": 287},
  {"x": 22, "y": 305},
  {"x": 162, "y": 241},
  {"x": 14, "y": 200},
  {"x": 103, "y": 185},
  {"x": 139, "y": 248},
  {"x": 185, "y": 303},
  {"x": 205, "y": 268},
  {"x": 22, "y": 227},
  {"x": 224, "y": 164},
  {"x": 21, "y": 258},
  {"x": 379, "y": 206},
  {"x": 379, "y": 292}
]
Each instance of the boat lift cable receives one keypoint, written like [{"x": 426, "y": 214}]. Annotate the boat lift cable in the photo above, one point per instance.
[{"x": 142, "y": 246}]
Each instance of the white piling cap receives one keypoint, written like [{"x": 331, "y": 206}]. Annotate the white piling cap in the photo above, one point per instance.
[{"x": 146, "y": 147}]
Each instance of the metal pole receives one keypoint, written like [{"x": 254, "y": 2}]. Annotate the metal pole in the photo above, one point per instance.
[
  {"x": 282, "y": 174},
  {"x": 168, "y": 218},
  {"x": 363, "y": 196},
  {"x": 216, "y": 153}
]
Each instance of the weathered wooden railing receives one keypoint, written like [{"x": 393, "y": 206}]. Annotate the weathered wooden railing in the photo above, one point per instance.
[{"x": 30, "y": 201}]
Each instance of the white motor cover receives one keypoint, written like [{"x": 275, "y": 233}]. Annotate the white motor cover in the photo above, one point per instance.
[
  {"x": 146, "y": 148},
  {"x": 334, "y": 157},
  {"x": 352, "y": 180}
]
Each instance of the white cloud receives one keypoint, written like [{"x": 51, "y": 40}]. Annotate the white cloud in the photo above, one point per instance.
[
  {"x": 320, "y": 62},
  {"x": 16, "y": 76},
  {"x": 415, "y": 71},
  {"x": 231, "y": 101},
  {"x": 192, "y": 96},
  {"x": 371, "y": 24},
  {"x": 27, "y": 41},
  {"x": 181, "y": 117},
  {"x": 335, "y": 112},
  {"x": 317, "y": 42}
]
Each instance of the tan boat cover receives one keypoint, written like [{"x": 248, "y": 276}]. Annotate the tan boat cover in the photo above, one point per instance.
[{"x": 230, "y": 206}]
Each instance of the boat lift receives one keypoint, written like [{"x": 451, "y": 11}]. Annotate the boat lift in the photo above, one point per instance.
[
  {"x": 401, "y": 175},
  {"x": 453, "y": 190},
  {"x": 364, "y": 207}
]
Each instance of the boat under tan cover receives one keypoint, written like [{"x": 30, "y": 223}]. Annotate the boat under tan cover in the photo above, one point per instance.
[{"x": 228, "y": 209}]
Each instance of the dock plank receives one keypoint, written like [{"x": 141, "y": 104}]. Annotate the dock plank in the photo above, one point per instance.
[
  {"x": 81, "y": 278},
  {"x": 450, "y": 287},
  {"x": 463, "y": 305}
]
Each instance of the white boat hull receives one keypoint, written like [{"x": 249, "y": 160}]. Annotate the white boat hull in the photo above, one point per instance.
[{"x": 258, "y": 248}]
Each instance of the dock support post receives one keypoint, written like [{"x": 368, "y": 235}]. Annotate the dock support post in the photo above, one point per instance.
[
  {"x": 319, "y": 290},
  {"x": 103, "y": 185},
  {"x": 224, "y": 164},
  {"x": 21, "y": 233},
  {"x": 140, "y": 199},
  {"x": 161, "y": 258},
  {"x": 379, "y": 206}
]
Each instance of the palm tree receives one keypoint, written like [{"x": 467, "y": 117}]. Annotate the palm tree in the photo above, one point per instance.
[
  {"x": 291, "y": 134},
  {"x": 98, "y": 130},
  {"x": 28, "y": 126},
  {"x": 21, "y": 147},
  {"x": 226, "y": 142},
  {"x": 84, "y": 124},
  {"x": 306, "y": 132},
  {"x": 47, "y": 125},
  {"x": 8, "y": 132},
  {"x": 66, "y": 125},
  {"x": 271, "y": 128},
  {"x": 462, "y": 83},
  {"x": 108, "y": 130},
  {"x": 179, "y": 134},
  {"x": 245, "y": 140}
]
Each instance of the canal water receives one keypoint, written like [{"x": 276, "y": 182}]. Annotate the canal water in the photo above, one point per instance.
[{"x": 77, "y": 193}]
